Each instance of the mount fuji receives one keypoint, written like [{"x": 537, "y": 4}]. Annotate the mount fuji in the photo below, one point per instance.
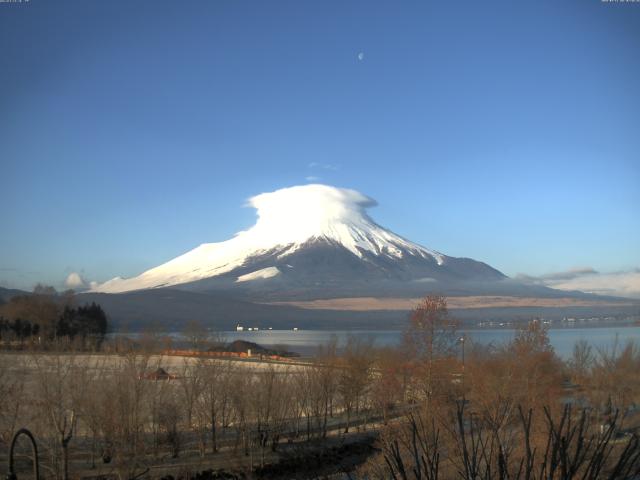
[
  {"x": 316, "y": 259},
  {"x": 312, "y": 241}
]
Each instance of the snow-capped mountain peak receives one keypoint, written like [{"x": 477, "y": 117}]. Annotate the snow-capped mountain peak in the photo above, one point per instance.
[
  {"x": 288, "y": 219},
  {"x": 293, "y": 216}
]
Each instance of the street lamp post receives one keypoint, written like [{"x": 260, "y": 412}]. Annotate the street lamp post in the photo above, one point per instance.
[
  {"x": 462, "y": 340},
  {"x": 36, "y": 465}
]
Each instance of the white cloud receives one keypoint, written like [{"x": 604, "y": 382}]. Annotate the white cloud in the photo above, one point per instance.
[
  {"x": 74, "y": 280},
  {"x": 312, "y": 178},
  {"x": 587, "y": 279},
  {"x": 623, "y": 284},
  {"x": 324, "y": 166}
]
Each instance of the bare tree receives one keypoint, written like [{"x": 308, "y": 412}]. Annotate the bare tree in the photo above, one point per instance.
[
  {"x": 60, "y": 384},
  {"x": 191, "y": 385},
  {"x": 196, "y": 334},
  {"x": 12, "y": 397},
  {"x": 430, "y": 337},
  {"x": 270, "y": 407},
  {"x": 323, "y": 382},
  {"x": 412, "y": 450},
  {"x": 355, "y": 375},
  {"x": 301, "y": 388},
  {"x": 169, "y": 420},
  {"x": 241, "y": 388},
  {"x": 213, "y": 400},
  {"x": 615, "y": 376},
  {"x": 89, "y": 403},
  {"x": 390, "y": 381},
  {"x": 124, "y": 413}
]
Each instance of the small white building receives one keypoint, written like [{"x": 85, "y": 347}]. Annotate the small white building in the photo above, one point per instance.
[{"x": 239, "y": 328}]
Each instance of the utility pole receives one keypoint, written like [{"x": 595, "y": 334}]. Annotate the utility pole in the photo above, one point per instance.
[{"x": 462, "y": 340}]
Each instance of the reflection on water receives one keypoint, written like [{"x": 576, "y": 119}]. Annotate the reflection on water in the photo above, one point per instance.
[{"x": 562, "y": 339}]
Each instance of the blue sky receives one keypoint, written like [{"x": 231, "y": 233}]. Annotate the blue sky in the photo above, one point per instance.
[{"x": 131, "y": 132}]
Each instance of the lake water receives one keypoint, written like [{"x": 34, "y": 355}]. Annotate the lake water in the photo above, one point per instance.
[{"x": 306, "y": 342}]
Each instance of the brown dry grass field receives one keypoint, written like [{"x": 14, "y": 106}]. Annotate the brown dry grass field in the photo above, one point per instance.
[{"x": 373, "y": 303}]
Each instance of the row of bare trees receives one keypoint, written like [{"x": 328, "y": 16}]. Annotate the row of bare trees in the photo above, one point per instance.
[
  {"x": 124, "y": 413},
  {"x": 444, "y": 407}
]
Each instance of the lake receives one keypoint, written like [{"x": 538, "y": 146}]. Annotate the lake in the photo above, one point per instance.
[{"x": 306, "y": 342}]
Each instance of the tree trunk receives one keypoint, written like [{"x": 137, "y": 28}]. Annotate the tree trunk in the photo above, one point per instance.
[
  {"x": 324, "y": 423},
  {"x": 214, "y": 442},
  {"x": 346, "y": 428},
  {"x": 65, "y": 460},
  {"x": 93, "y": 451}
]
